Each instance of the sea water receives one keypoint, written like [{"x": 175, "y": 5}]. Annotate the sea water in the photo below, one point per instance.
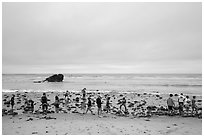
[{"x": 150, "y": 83}]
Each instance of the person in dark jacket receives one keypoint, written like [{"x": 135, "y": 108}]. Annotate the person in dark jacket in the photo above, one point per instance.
[
  {"x": 44, "y": 103},
  {"x": 56, "y": 104},
  {"x": 12, "y": 101},
  {"x": 89, "y": 106},
  {"x": 98, "y": 102}
]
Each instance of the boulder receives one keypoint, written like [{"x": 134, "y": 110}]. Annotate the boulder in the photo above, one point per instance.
[
  {"x": 157, "y": 96},
  {"x": 152, "y": 108},
  {"x": 7, "y": 102}
]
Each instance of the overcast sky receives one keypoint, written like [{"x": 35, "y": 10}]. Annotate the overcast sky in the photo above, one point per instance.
[{"x": 102, "y": 38}]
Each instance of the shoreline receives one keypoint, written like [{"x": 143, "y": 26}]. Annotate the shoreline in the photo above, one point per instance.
[{"x": 141, "y": 91}]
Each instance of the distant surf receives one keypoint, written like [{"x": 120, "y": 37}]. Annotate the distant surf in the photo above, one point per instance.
[{"x": 163, "y": 83}]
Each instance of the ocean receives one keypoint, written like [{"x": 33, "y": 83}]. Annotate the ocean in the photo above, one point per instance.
[{"x": 150, "y": 83}]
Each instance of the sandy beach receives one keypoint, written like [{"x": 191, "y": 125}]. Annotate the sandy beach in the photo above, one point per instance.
[
  {"x": 73, "y": 122},
  {"x": 76, "y": 124}
]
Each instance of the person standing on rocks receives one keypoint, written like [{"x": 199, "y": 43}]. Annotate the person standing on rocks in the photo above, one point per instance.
[
  {"x": 194, "y": 107},
  {"x": 12, "y": 101},
  {"x": 181, "y": 103},
  {"x": 31, "y": 105},
  {"x": 67, "y": 101},
  {"x": 108, "y": 105},
  {"x": 83, "y": 105},
  {"x": 187, "y": 104},
  {"x": 66, "y": 95},
  {"x": 44, "y": 103},
  {"x": 83, "y": 93},
  {"x": 98, "y": 102},
  {"x": 89, "y": 105},
  {"x": 170, "y": 104},
  {"x": 56, "y": 104}
]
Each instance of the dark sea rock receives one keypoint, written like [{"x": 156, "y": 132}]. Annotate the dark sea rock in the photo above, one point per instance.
[{"x": 55, "y": 78}]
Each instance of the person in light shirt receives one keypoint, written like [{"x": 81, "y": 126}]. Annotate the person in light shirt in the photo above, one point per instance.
[
  {"x": 181, "y": 103},
  {"x": 187, "y": 104}
]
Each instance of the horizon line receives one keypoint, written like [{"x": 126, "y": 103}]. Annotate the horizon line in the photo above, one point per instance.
[{"x": 95, "y": 73}]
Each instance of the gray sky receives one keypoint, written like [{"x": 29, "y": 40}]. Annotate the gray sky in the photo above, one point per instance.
[{"x": 102, "y": 38}]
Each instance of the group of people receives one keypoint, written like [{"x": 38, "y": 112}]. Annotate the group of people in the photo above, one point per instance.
[
  {"x": 44, "y": 104},
  {"x": 183, "y": 103},
  {"x": 90, "y": 103},
  {"x": 84, "y": 103}
]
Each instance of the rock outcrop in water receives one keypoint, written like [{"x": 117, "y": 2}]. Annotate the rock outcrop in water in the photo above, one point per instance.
[{"x": 53, "y": 78}]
